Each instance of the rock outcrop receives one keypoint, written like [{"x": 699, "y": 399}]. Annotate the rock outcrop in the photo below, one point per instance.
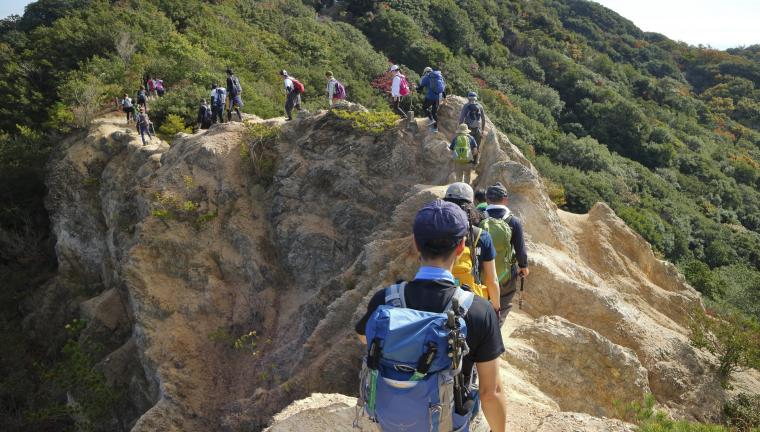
[{"x": 225, "y": 296}]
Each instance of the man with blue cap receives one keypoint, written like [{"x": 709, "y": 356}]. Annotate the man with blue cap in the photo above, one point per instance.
[
  {"x": 474, "y": 117},
  {"x": 439, "y": 232}
]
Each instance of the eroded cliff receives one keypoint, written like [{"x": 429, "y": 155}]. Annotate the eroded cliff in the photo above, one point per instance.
[{"x": 185, "y": 250}]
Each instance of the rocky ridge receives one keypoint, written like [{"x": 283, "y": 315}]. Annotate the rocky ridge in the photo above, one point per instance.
[{"x": 174, "y": 253}]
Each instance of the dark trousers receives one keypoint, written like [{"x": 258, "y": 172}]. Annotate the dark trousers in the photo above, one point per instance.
[
  {"x": 293, "y": 101},
  {"x": 144, "y": 129},
  {"x": 508, "y": 291},
  {"x": 397, "y": 107},
  {"x": 430, "y": 107},
  {"x": 477, "y": 133},
  {"x": 217, "y": 113}
]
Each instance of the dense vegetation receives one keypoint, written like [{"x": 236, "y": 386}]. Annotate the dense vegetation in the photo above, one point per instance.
[{"x": 667, "y": 134}]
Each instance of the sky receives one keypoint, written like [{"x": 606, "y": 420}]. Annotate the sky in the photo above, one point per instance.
[
  {"x": 719, "y": 24},
  {"x": 10, "y": 7}
]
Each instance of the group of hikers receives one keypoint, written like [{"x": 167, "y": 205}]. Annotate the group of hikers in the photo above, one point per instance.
[
  {"x": 229, "y": 99},
  {"x": 153, "y": 87},
  {"x": 433, "y": 343}
]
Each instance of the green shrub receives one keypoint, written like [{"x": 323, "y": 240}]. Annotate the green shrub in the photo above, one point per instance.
[
  {"x": 372, "y": 122},
  {"x": 260, "y": 150},
  {"x": 179, "y": 105},
  {"x": 733, "y": 338},
  {"x": 701, "y": 277},
  {"x": 743, "y": 413},
  {"x": 583, "y": 153},
  {"x": 172, "y": 126},
  {"x": 91, "y": 400},
  {"x": 644, "y": 415}
]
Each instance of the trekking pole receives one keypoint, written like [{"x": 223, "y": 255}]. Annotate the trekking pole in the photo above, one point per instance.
[{"x": 522, "y": 288}]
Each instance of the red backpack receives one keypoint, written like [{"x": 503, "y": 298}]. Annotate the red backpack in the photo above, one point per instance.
[
  {"x": 297, "y": 86},
  {"x": 403, "y": 88}
]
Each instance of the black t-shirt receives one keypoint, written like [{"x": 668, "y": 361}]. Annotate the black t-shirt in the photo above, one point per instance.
[{"x": 483, "y": 331}]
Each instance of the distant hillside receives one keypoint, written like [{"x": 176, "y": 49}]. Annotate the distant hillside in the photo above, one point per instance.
[{"x": 666, "y": 134}]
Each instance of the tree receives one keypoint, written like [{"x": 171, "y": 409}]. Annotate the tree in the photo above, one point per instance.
[
  {"x": 732, "y": 338},
  {"x": 86, "y": 95}
]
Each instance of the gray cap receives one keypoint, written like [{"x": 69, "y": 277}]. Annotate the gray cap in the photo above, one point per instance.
[{"x": 460, "y": 191}]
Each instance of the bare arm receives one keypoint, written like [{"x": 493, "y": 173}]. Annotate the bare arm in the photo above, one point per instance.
[
  {"x": 363, "y": 339},
  {"x": 492, "y": 396},
  {"x": 492, "y": 283}
]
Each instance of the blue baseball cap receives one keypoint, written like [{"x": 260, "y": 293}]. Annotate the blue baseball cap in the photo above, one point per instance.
[{"x": 440, "y": 220}]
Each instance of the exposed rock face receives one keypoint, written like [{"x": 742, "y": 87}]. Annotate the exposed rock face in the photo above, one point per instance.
[
  {"x": 185, "y": 252},
  {"x": 564, "y": 360}
]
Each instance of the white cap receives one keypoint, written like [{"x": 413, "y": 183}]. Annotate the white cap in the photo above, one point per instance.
[{"x": 394, "y": 68}]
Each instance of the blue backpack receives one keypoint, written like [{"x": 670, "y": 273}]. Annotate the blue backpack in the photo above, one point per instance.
[
  {"x": 437, "y": 85},
  {"x": 411, "y": 379}
]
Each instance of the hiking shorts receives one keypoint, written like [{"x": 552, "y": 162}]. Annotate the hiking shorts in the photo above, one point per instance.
[{"x": 235, "y": 101}]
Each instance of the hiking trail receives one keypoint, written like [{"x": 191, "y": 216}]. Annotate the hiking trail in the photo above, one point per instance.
[{"x": 224, "y": 296}]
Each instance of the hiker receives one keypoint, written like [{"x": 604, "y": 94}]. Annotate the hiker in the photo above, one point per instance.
[
  {"x": 474, "y": 117},
  {"x": 127, "y": 107},
  {"x": 205, "y": 117},
  {"x": 293, "y": 88},
  {"x": 409, "y": 382},
  {"x": 143, "y": 125},
  {"x": 399, "y": 89},
  {"x": 475, "y": 267},
  {"x": 480, "y": 201},
  {"x": 235, "y": 91},
  {"x": 218, "y": 100},
  {"x": 335, "y": 90},
  {"x": 464, "y": 150},
  {"x": 151, "y": 87},
  {"x": 160, "y": 87},
  {"x": 507, "y": 234},
  {"x": 142, "y": 98},
  {"x": 432, "y": 80}
]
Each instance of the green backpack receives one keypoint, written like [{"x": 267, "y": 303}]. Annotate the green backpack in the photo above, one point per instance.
[
  {"x": 462, "y": 149},
  {"x": 501, "y": 234}
]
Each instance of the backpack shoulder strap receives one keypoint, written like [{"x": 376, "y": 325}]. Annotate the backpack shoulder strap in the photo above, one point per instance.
[
  {"x": 394, "y": 295},
  {"x": 465, "y": 301}
]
